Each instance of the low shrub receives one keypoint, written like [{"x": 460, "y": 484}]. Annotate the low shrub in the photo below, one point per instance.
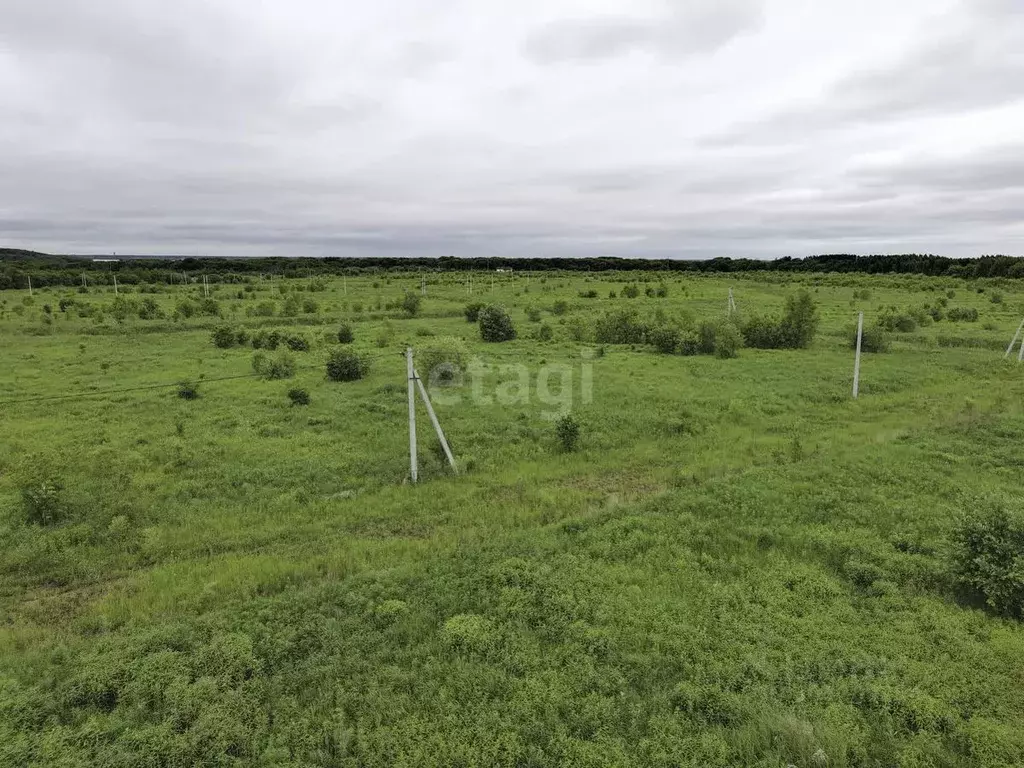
[
  {"x": 987, "y": 556},
  {"x": 533, "y": 314},
  {"x": 496, "y": 324},
  {"x": 345, "y": 335},
  {"x": 42, "y": 498},
  {"x": 665, "y": 338},
  {"x": 224, "y": 337},
  {"x": 266, "y": 340},
  {"x": 962, "y": 314},
  {"x": 631, "y": 291},
  {"x": 590, "y": 294},
  {"x": 545, "y": 333},
  {"x": 559, "y": 307},
  {"x": 297, "y": 343},
  {"x": 441, "y": 361},
  {"x": 345, "y": 365},
  {"x": 298, "y": 396},
  {"x": 411, "y": 303},
  {"x": 280, "y": 366},
  {"x": 619, "y": 327},
  {"x": 873, "y": 339},
  {"x": 689, "y": 343},
  {"x": 728, "y": 341},
  {"x": 567, "y": 429},
  {"x": 473, "y": 311},
  {"x": 894, "y": 320},
  {"x": 188, "y": 390}
]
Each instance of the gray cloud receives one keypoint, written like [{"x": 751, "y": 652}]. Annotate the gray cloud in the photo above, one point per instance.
[
  {"x": 678, "y": 30},
  {"x": 407, "y": 127}
]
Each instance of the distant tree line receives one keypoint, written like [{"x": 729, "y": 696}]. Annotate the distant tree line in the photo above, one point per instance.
[{"x": 17, "y": 265}]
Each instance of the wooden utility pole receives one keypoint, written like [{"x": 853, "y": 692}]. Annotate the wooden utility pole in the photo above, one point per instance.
[
  {"x": 856, "y": 360},
  {"x": 412, "y": 414}
]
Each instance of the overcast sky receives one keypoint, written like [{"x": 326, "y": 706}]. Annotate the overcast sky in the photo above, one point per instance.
[{"x": 689, "y": 129}]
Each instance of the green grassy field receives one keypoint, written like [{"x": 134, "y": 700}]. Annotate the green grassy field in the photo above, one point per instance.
[{"x": 738, "y": 565}]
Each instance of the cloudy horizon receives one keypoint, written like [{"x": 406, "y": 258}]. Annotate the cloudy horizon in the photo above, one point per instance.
[{"x": 742, "y": 128}]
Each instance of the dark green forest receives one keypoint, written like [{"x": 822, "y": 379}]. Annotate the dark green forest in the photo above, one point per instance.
[{"x": 17, "y": 266}]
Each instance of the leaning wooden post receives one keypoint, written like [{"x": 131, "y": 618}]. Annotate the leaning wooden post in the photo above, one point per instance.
[
  {"x": 412, "y": 414},
  {"x": 1013, "y": 341},
  {"x": 436, "y": 423},
  {"x": 856, "y": 360}
]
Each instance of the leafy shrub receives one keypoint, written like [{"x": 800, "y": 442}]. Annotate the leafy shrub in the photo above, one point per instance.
[
  {"x": 799, "y": 321},
  {"x": 224, "y": 337},
  {"x": 298, "y": 396},
  {"x": 988, "y": 557},
  {"x": 619, "y": 327},
  {"x": 689, "y": 343},
  {"x": 42, "y": 498},
  {"x": 612, "y": 295},
  {"x": 63, "y": 304},
  {"x": 649, "y": 292},
  {"x": 533, "y": 314},
  {"x": 873, "y": 339},
  {"x": 893, "y": 320},
  {"x": 706, "y": 333},
  {"x": 345, "y": 365},
  {"x": 345, "y": 335},
  {"x": 665, "y": 338},
  {"x": 762, "y": 332},
  {"x": 280, "y": 366},
  {"x": 496, "y": 324},
  {"x": 962, "y": 314},
  {"x": 297, "y": 343},
  {"x": 631, "y": 291},
  {"x": 662, "y": 291},
  {"x": 292, "y": 305},
  {"x": 590, "y": 294},
  {"x": 411, "y": 303},
  {"x": 728, "y": 341},
  {"x": 936, "y": 313},
  {"x": 441, "y": 361},
  {"x": 473, "y": 311},
  {"x": 310, "y": 307},
  {"x": 209, "y": 307},
  {"x": 149, "y": 309},
  {"x": 266, "y": 339},
  {"x": 385, "y": 335},
  {"x": 188, "y": 390},
  {"x": 996, "y": 297},
  {"x": 567, "y": 429},
  {"x": 545, "y": 333},
  {"x": 186, "y": 308},
  {"x": 560, "y": 307}
]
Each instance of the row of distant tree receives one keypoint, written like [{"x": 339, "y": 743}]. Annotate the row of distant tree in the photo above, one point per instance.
[{"x": 16, "y": 266}]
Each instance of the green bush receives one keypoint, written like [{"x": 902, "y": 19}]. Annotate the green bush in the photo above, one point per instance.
[
  {"x": 345, "y": 335},
  {"x": 224, "y": 337},
  {"x": 987, "y": 556},
  {"x": 297, "y": 343},
  {"x": 533, "y": 314},
  {"x": 42, "y": 498},
  {"x": 799, "y": 321},
  {"x": 559, "y": 307},
  {"x": 873, "y": 339},
  {"x": 631, "y": 291},
  {"x": 266, "y": 340},
  {"x": 619, "y": 327},
  {"x": 665, "y": 338},
  {"x": 589, "y": 294},
  {"x": 188, "y": 390},
  {"x": 411, "y": 303},
  {"x": 280, "y": 366},
  {"x": 728, "y": 341},
  {"x": 298, "y": 396},
  {"x": 689, "y": 343},
  {"x": 567, "y": 429},
  {"x": 545, "y": 333},
  {"x": 762, "y": 332},
  {"x": 894, "y": 320},
  {"x": 496, "y": 324},
  {"x": 473, "y": 311},
  {"x": 345, "y": 365},
  {"x": 962, "y": 314},
  {"x": 441, "y": 361}
]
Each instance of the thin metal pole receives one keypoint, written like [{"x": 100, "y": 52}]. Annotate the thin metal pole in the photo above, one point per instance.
[
  {"x": 1013, "y": 341},
  {"x": 436, "y": 423},
  {"x": 856, "y": 363},
  {"x": 412, "y": 415}
]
